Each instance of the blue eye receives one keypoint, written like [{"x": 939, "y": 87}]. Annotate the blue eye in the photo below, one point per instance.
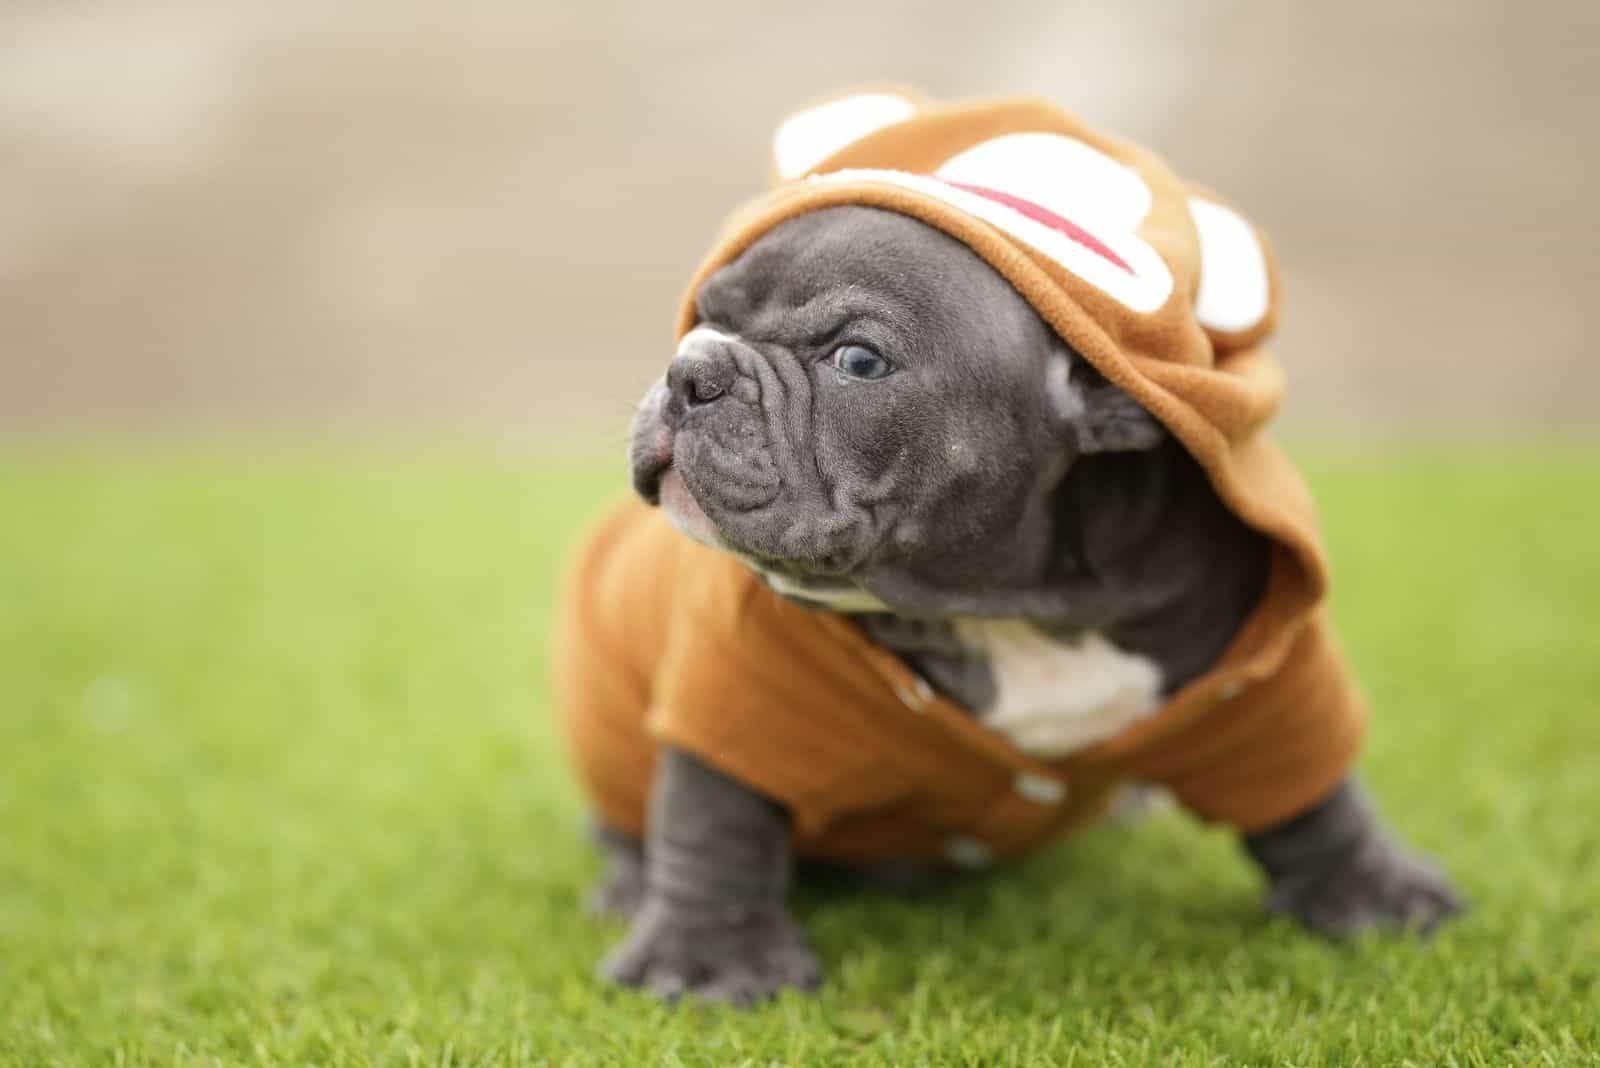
[{"x": 858, "y": 361}]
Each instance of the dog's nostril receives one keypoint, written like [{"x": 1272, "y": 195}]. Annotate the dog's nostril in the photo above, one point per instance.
[{"x": 698, "y": 380}]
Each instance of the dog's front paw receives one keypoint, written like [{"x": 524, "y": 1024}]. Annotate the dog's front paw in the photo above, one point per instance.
[
  {"x": 621, "y": 889},
  {"x": 618, "y": 893},
  {"x": 1380, "y": 885},
  {"x": 735, "y": 957}
]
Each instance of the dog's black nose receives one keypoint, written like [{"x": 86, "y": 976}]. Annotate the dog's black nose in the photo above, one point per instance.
[{"x": 697, "y": 379}]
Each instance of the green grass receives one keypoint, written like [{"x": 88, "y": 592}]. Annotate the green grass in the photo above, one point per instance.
[{"x": 278, "y": 785}]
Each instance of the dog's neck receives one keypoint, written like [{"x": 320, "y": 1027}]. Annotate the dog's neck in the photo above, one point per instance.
[{"x": 1145, "y": 556}]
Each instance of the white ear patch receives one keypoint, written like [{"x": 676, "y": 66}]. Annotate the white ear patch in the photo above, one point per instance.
[
  {"x": 1068, "y": 200},
  {"x": 810, "y": 137},
  {"x": 1235, "y": 293}
]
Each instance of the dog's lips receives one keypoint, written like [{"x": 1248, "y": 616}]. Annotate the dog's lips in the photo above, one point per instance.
[
  {"x": 652, "y": 464},
  {"x": 684, "y": 511}
]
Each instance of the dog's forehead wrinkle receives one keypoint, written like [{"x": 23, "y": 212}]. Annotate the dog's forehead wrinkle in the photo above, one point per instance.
[
  {"x": 853, "y": 249},
  {"x": 837, "y": 303},
  {"x": 724, "y": 295}
]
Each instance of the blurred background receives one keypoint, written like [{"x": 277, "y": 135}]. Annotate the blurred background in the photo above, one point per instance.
[
  {"x": 280, "y": 777},
  {"x": 475, "y": 219}
]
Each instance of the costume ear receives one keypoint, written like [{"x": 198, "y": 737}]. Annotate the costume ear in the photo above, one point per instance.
[
  {"x": 1235, "y": 298},
  {"x": 807, "y": 138},
  {"x": 1096, "y": 415}
]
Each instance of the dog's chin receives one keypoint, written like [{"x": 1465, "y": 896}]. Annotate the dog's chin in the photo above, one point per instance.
[{"x": 835, "y": 595}]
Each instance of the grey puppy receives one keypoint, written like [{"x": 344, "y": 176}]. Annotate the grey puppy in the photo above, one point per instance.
[{"x": 1062, "y": 503}]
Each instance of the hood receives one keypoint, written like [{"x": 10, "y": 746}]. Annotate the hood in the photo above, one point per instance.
[{"x": 1162, "y": 286}]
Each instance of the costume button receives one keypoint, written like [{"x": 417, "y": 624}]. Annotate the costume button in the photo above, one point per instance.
[
  {"x": 967, "y": 851},
  {"x": 1040, "y": 788},
  {"x": 1230, "y": 690},
  {"x": 916, "y": 695}
]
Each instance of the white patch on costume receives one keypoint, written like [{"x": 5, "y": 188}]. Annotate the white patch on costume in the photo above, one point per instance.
[
  {"x": 811, "y": 136},
  {"x": 1063, "y": 174},
  {"x": 1142, "y": 285},
  {"x": 843, "y": 600},
  {"x": 1054, "y": 697},
  {"x": 699, "y": 335},
  {"x": 1235, "y": 291}
]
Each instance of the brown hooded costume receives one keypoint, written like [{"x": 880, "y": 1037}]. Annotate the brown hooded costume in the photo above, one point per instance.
[{"x": 1169, "y": 294}]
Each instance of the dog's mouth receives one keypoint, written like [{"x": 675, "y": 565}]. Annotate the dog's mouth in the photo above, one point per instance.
[
  {"x": 650, "y": 458},
  {"x": 658, "y": 479},
  {"x": 835, "y": 592},
  {"x": 683, "y": 510}
]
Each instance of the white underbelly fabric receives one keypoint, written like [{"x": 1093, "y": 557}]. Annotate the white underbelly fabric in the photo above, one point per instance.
[{"x": 1055, "y": 696}]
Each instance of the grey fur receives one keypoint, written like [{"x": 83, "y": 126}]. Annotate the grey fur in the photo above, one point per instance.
[
  {"x": 712, "y": 920},
  {"x": 1339, "y": 871},
  {"x": 621, "y": 888},
  {"x": 994, "y": 473},
  {"x": 931, "y": 648}
]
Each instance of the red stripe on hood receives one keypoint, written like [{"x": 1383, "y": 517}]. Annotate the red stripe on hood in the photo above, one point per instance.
[{"x": 1046, "y": 217}]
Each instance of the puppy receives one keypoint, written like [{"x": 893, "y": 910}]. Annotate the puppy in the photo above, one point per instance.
[{"x": 924, "y": 587}]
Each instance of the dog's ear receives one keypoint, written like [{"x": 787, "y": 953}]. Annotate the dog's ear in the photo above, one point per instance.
[{"x": 1096, "y": 415}]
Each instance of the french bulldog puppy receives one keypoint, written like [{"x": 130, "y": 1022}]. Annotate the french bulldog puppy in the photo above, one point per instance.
[{"x": 766, "y": 439}]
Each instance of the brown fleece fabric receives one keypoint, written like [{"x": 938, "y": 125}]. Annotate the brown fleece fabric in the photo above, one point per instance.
[{"x": 1168, "y": 293}]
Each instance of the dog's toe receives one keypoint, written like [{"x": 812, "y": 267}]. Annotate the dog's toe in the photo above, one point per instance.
[
  {"x": 738, "y": 963},
  {"x": 1387, "y": 889}
]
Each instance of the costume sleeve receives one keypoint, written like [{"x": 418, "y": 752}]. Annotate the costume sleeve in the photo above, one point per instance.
[
  {"x": 750, "y": 688},
  {"x": 1267, "y": 754}
]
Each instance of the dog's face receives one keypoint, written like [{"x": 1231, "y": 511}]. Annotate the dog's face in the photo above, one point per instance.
[{"x": 874, "y": 419}]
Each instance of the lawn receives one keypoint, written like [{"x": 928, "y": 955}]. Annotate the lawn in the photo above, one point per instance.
[{"x": 278, "y": 785}]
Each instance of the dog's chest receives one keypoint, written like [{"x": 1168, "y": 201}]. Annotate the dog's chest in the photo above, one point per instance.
[{"x": 1054, "y": 696}]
